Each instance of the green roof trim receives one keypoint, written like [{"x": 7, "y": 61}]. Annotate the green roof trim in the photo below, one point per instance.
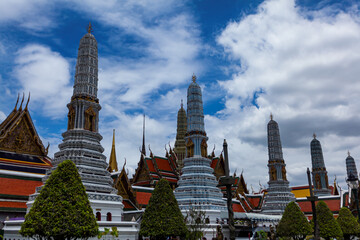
[{"x": 21, "y": 177}]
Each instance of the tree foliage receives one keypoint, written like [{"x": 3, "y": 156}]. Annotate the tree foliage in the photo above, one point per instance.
[
  {"x": 62, "y": 209},
  {"x": 196, "y": 220},
  {"x": 348, "y": 223},
  {"x": 162, "y": 217},
  {"x": 293, "y": 223},
  {"x": 328, "y": 227}
]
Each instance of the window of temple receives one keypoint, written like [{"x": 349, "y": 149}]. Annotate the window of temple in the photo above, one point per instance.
[
  {"x": 108, "y": 216},
  {"x": 98, "y": 216}
]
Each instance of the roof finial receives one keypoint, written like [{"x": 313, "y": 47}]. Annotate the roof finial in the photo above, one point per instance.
[
  {"x": 17, "y": 101},
  {"x": 90, "y": 29},
  {"x": 348, "y": 153},
  {"x": 182, "y": 105},
  {"x": 27, "y": 103},
  {"x": 112, "y": 162},
  {"x": 20, "y": 108},
  {"x": 143, "y": 150},
  {"x": 314, "y": 135},
  {"x": 271, "y": 116},
  {"x": 194, "y": 77}
]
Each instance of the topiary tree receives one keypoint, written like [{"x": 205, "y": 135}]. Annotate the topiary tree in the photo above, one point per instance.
[
  {"x": 162, "y": 217},
  {"x": 62, "y": 209},
  {"x": 348, "y": 223},
  {"x": 293, "y": 223},
  {"x": 328, "y": 227}
]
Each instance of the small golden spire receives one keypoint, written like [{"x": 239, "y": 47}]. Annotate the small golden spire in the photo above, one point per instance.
[
  {"x": 90, "y": 29},
  {"x": 314, "y": 135},
  {"x": 271, "y": 116},
  {"x": 17, "y": 101},
  {"x": 20, "y": 108},
  {"x": 194, "y": 77},
  {"x": 27, "y": 103},
  {"x": 112, "y": 162}
]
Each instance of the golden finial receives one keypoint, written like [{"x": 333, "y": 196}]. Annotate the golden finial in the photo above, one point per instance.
[
  {"x": 271, "y": 116},
  {"x": 194, "y": 77},
  {"x": 17, "y": 101},
  {"x": 27, "y": 103},
  {"x": 314, "y": 135},
  {"x": 90, "y": 29}
]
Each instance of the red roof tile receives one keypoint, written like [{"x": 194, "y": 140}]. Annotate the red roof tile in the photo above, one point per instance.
[
  {"x": 143, "y": 197},
  {"x": 150, "y": 165},
  {"x": 214, "y": 162},
  {"x": 13, "y": 204},
  {"x": 163, "y": 164},
  {"x": 238, "y": 208},
  {"x": 13, "y": 186}
]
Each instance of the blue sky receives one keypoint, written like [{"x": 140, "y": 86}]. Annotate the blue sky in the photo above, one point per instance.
[{"x": 296, "y": 59}]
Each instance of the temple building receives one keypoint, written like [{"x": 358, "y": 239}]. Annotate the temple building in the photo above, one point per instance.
[
  {"x": 279, "y": 194},
  {"x": 197, "y": 187},
  {"x": 319, "y": 173},
  {"x": 350, "y": 166},
  {"x": 81, "y": 144},
  {"x": 23, "y": 162},
  {"x": 180, "y": 148}
]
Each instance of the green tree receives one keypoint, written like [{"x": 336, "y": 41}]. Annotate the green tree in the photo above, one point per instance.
[
  {"x": 328, "y": 226},
  {"x": 348, "y": 223},
  {"x": 293, "y": 223},
  {"x": 197, "y": 221},
  {"x": 62, "y": 209},
  {"x": 162, "y": 217}
]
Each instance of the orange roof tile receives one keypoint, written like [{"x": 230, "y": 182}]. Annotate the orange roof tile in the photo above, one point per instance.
[
  {"x": 214, "y": 162},
  {"x": 143, "y": 197},
  {"x": 238, "y": 208},
  {"x": 13, "y": 204},
  {"x": 17, "y": 186},
  {"x": 163, "y": 164},
  {"x": 150, "y": 165}
]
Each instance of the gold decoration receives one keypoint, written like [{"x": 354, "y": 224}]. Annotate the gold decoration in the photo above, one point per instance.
[
  {"x": 283, "y": 171},
  {"x": 190, "y": 148},
  {"x": 273, "y": 175},
  {"x": 90, "y": 118},
  {"x": 71, "y": 118},
  {"x": 203, "y": 148}
]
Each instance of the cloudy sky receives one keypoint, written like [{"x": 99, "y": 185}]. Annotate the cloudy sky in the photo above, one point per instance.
[{"x": 299, "y": 60}]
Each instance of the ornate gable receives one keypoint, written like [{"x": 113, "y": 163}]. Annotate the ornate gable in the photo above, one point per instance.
[
  {"x": 19, "y": 135},
  {"x": 142, "y": 172},
  {"x": 124, "y": 187}
]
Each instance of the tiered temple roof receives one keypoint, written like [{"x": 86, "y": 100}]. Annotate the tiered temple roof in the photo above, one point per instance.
[{"x": 23, "y": 161}]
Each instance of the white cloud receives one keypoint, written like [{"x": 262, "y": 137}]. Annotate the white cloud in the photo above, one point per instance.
[
  {"x": 2, "y": 116},
  {"x": 32, "y": 15},
  {"x": 307, "y": 65},
  {"x": 45, "y": 74}
]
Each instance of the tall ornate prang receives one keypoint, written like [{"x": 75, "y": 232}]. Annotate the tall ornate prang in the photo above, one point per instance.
[
  {"x": 319, "y": 173},
  {"x": 112, "y": 162},
  {"x": 197, "y": 187},
  {"x": 81, "y": 141},
  {"x": 180, "y": 147},
  {"x": 350, "y": 166},
  {"x": 279, "y": 194}
]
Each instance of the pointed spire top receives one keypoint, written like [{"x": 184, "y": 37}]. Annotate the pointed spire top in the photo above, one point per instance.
[
  {"x": 20, "y": 108},
  {"x": 27, "y": 103},
  {"x": 194, "y": 77},
  {"x": 90, "y": 29},
  {"x": 143, "y": 150},
  {"x": 182, "y": 104},
  {"x": 17, "y": 101},
  {"x": 348, "y": 153},
  {"x": 314, "y": 135},
  {"x": 271, "y": 116},
  {"x": 112, "y": 162}
]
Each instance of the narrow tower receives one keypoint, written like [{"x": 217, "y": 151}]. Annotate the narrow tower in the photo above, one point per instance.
[
  {"x": 112, "y": 162},
  {"x": 350, "y": 166},
  {"x": 279, "y": 194},
  {"x": 81, "y": 141},
  {"x": 197, "y": 185},
  {"x": 180, "y": 147},
  {"x": 319, "y": 173},
  {"x": 143, "y": 149}
]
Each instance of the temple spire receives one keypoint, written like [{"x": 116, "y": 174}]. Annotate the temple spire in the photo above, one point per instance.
[
  {"x": 90, "y": 29},
  {"x": 112, "y": 162},
  {"x": 180, "y": 146},
  {"x": 143, "y": 149}
]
